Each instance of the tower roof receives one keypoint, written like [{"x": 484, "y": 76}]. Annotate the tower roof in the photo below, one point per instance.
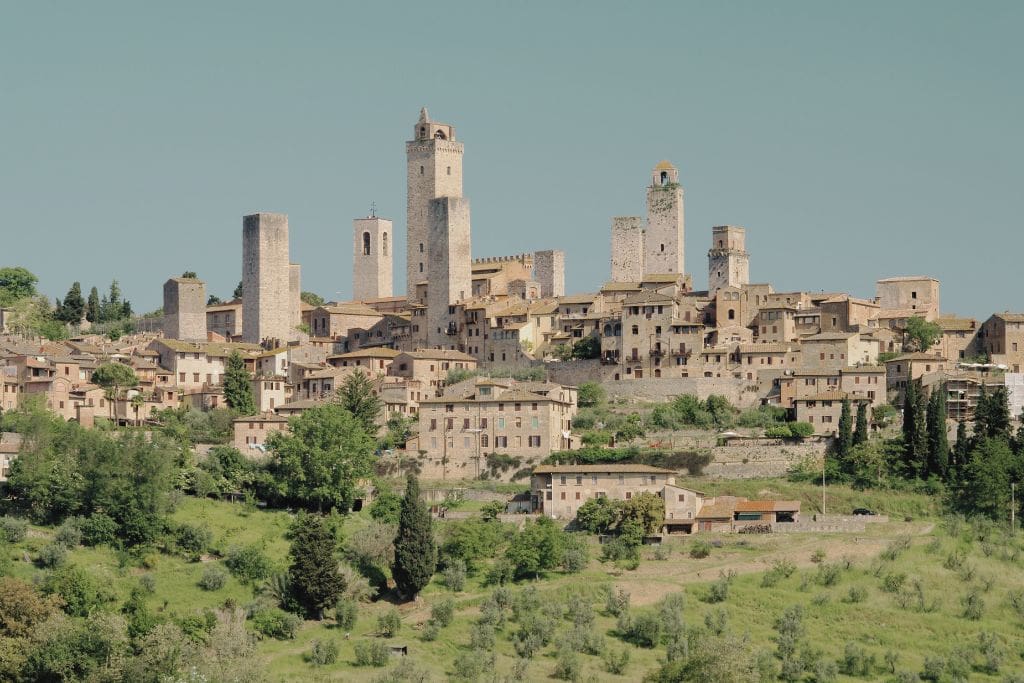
[
  {"x": 424, "y": 116},
  {"x": 664, "y": 166}
]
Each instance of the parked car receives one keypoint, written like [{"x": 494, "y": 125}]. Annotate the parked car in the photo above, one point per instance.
[{"x": 863, "y": 511}]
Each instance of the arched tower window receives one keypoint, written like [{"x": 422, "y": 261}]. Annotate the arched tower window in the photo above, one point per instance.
[
  {"x": 664, "y": 178},
  {"x": 366, "y": 244},
  {"x": 732, "y": 314},
  {"x": 384, "y": 243},
  {"x": 439, "y": 135},
  {"x": 719, "y": 244}
]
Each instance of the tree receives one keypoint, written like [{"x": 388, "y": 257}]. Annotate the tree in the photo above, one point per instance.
[
  {"x": 598, "y": 515},
  {"x": 647, "y": 509},
  {"x": 213, "y": 300},
  {"x": 938, "y": 441},
  {"x": 237, "y": 389},
  {"x": 999, "y": 414},
  {"x": 356, "y": 396},
  {"x": 312, "y": 299},
  {"x": 237, "y": 294},
  {"x": 587, "y": 348},
  {"x": 860, "y": 434},
  {"x": 844, "y": 439},
  {"x": 190, "y": 275},
  {"x": 987, "y": 477},
  {"x": 92, "y": 308},
  {"x": 961, "y": 452},
  {"x": 921, "y": 334},
  {"x": 538, "y": 547},
  {"x": 590, "y": 394},
  {"x": 320, "y": 461},
  {"x": 915, "y": 437},
  {"x": 313, "y": 575},
  {"x": 415, "y": 553},
  {"x": 16, "y": 283},
  {"x": 981, "y": 413},
  {"x": 73, "y": 307},
  {"x": 114, "y": 377}
]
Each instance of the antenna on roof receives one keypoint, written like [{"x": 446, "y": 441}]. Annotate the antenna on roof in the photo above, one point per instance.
[{"x": 373, "y": 209}]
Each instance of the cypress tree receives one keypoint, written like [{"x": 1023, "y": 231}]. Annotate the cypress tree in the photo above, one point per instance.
[
  {"x": 237, "y": 294},
  {"x": 356, "y": 396},
  {"x": 938, "y": 442},
  {"x": 961, "y": 451},
  {"x": 860, "y": 434},
  {"x": 313, "y": 576},
  {"x": 981, "y": 413},
  {"x": 844, "y": 440},
  {"x": 415, "y": 553},
  {"x": 909, "y": 429},
  {"x": 921, "y": 433},
  {"x": 73, "y": 308},
  {"x": 999, "y": 414},
  {"x": 237, "y": 391},
  {"x": 92, "y": 309}
]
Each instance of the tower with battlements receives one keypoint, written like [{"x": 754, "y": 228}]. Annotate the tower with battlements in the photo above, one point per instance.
[
  {"x": 266, "y": 279},
  {"x": 433, "y": 170},
  {"x": 371, "y": 258},
  {"x": 663, "y": 238},
  {"x": 728, "y": 261}
]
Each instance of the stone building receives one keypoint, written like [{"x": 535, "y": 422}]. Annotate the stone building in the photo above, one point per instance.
[
  {"x": 1001, "y": 338},
  {"x": 266, "y": 279},
  {"x": 549, "y": 271},
  {"x": 372, "y": 258},
  {"x": 294, "y": 300},
  {"x": 664, "y": 236},
  {"x": 225, "y": 319},
  {"x": 627, "y": 249},
  {"x": 185, "y": 309},
  {"x": 916, "y": 295},
  {"x": 433, "y": 170},
  {"x": 449, "y": 269},
  {"x": 728, "y": 261}
]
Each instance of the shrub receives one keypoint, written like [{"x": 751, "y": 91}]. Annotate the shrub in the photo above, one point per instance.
[
  {"x": 248, "y": 564},
  {"x": 893, "y": 583},
  {"x": 371, "y": 653},
  {"x": 481, "y": 637},
  {"x": 454, "y": 575},
  {"x": 856, "y": 594},
  {"x": 644, "y": 630},
  {"x": 443, "y": 612},
  {"x": 567, "y": 666},
  {"x": 69, "y": 534},
  {"x": 52, "y": 555},
  {"x": 801, "y": 430},
  {"x": 148, "y": 583},
  {"x": 576, "y": 554},
  {"x": 274, "y": 622},
  {"x": 934, "y": 666},
  {"x": 471, "y": 664},
  {"x": 719, "y": 590},
  {"x": 192, "y": 541},
  {"x": 14, "y": 529},
  {"x": 974, "y": 605},
  {"x": 324, "y": 652},
  {"x": 500, "y": 573},
  {"x": 81, "y": 592},
  {"x": 615, "y": 662},
  {"x": 345, "y": 614},
  {"x": 818, "y": 556},
  {"x": 389, "y": 623},
  {"x": 213, "y": 578},
  {"x": 616, "y": 601},
  {"x": 828, "y": 574},
  {"x": 99, "y": 529},
  {"x": 856, "y": 661},
  {"x": 781, "y": 569},
  {"x": 700, "y": 549},
  {"x": 662, "y": 552}
]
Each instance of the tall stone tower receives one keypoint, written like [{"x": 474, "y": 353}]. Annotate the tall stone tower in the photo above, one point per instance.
[
  {"x": 728, "y": 261},
  {"x": 549, "y": 271},
  {"x": 449, "y": 273},
  {"x": 627, "y": 249},
  {"x": 371, "y": 258},
  {"x": 294, "y": 299},
  {"x": 185, "y": 309},
  {"x": 433, "y": 169},
  {"x": 266, "y": 279},
  {"x": 664, "y": 238}
]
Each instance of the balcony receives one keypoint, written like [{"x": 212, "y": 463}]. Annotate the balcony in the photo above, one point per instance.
[
  {"x": 452, "y": 329},
  {"x": 657, "y": 353}
]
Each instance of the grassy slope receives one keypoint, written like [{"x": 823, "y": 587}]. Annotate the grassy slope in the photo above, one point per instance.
[{"x": 877, "y": 623}]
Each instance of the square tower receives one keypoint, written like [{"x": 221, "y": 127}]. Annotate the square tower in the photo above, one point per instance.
[
  {"x": 433, "y": 169},
  {"x": 450, "y": 271},
  {"x": 549, "y": 271},
  {"x": 266, "y": 279},
  {"x": 185, "y": 309},
  {"x": 627, "y": 249},
  {"x": 915, "y": 293},
  {"x": 371, "y": 258},
  {"x": 664, "y": 238},
  {"x": 728, "y": 261}
]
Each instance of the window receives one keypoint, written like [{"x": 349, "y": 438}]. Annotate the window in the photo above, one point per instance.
[
  {"x": 433, "y": 425},
  {"x": 579, "y": 480},
  {"x": 501, "y": 423},
  {"x": 483, "y": 441},
  {"x": 629, "y": 494},
  {"x": 366, "y": 244},
  {"x": 384, "y": 243},
  {"x": 577, "y": 495},
  {"x": 622, "y": 479},
  {"x": 534, "y": 442},
  {"x": 563, "y": 495},
  {"x": 535, "y": 423},
  {"x": 682, "y": 497}
]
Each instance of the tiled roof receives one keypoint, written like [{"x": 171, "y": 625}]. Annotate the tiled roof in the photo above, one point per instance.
[
  {"x": 262, "y": 417},
  {"x": 722, "y": 510},
  {"x": 765, "y": 348},
  {"x": 439, "y": 354},
  {"x": 376, "y": 352},
  {"x": 1010, "y": 317},
  {"x": 958, "y": 324},
  {"x": 832, "y": 396},
  {"x": 577, "y": 298},
  {"x": 916, "y": 356},
  {"x": 829, "y": 336},
  {"x": 617, "y": 468},
  {"x": 768, "y": 506}
]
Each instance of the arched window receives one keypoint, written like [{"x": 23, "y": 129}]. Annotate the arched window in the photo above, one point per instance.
[
  {"x": 366, "y": 244},
  {"x": 732, "y": 314},
  {"x": 607, "y": 330},
  {"x": 384, "y": 243},
  {"x": 618, "y": 330},
  {"x": 719, "y": 244},
  {"x": 439, "y": 135},
  {"x": 421, "y": 247},
  {"x": 664, "y": 178}
]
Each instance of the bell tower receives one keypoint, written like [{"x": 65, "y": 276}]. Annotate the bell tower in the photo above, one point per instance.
[{"x": 663, "y": 239}]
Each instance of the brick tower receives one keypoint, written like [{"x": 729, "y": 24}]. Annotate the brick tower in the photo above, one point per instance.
[
  {"x": 371, "y": 258},
  {"x": 664, "y": 236},
  {"x": 728, "y": 261},
  {"x": 433, "y": 170}
]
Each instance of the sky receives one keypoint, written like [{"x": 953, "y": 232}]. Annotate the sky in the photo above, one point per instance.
[{"x": 854, "y": 141}]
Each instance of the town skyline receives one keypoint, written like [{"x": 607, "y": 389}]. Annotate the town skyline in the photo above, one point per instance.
[{"x": 867, "y": 156}]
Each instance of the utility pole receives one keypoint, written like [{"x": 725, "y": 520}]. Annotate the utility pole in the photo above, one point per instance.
[
  {"x": 1013, "y": 508},
  {"x": 823, "y": 456}
]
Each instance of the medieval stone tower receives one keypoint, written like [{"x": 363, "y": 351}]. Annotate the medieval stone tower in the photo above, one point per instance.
[
  {"x": 433, "y": 169},
  {"x": 627, "y": 249},
  {"x": 372, "y": 259},
  {"x": 663, "y": 239},
  {"x": 185, "y": 309},
  {"x": 549, "y": 271},
  {"x": 266, "y": 279},
  {"x": 294, "y": 299},
  {"x": 449, "y": 271},
  {"x": 728, "y": 261}
]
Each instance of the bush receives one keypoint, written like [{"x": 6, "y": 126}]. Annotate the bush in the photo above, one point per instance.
[
  {"x": 644, "y": 630},
  {"x": 616, "y": 602},
  {"x": 345, "y": 614},
  {"x": 893, "y": 582},
  {"x": 781, "y": 569},
  {"x": 14, "y": 529},
  {"x": 828, "y": 574},
  {"x": 148, "y": 583},
  {"x": 52, "y": 555},
  {"x": 616, "y": 662},
  {"x": 192, "y": 541},
  {"x": 213, "y": 578},
  {"x": 974, "y": 605},
  {"x": 567, "y": 666},
  {"x": 700, "y": 549},
  {"x": 856, "y": 594},
  {"x": 500, "y": 573},
  {"x": 371, "y": 653},
  {"x": 276, "y": 623},
  {"x": 818, "y": 556},
  {"x": 431, "y": 630},
  {"x": 324, "y": 652},
  {"x": 248, "y": 564},
  {"x": 662, "y": 552},
  {"x": 99, "y": 529},
  {"x": 719, "y": 590},
  {"x": 801, "y": 430},
  {"x": 471, "y": 664},
  {"x": 576, "y": 554},
  {"x": 69, "y": 534},
  {"x": 389, "y": 623},
  {"x": 454, "y": 575},
  {"x": 481, "y": 637},
  {"x": 443, "y": 612}
]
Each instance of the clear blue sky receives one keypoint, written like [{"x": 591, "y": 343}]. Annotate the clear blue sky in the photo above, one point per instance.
[{"x": 853, "y": 140}]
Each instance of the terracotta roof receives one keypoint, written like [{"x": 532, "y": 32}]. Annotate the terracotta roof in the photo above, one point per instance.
[
  {"x": 618, "y": 468},
  {"x": 647, "y": 296},
  {"x": 958, "y": 324},
  {"x": 302, "y": 404},
  {"x": 768, "y": 506},
  {"x": 832, "y": 396},
  {"x": 765, "y": 348},
  {"x": 916, "y": 356},
  {"x": 722, "y": 510},
  {"x": 1010, "y": 317},
  {"x": 375, "y": 352},
  {"x": 577, "y": 298},
  {"x": 830, "y": 336},
  {"x": 869, "y": 369},
  {"x": 661, "y": 278},
  {"x": 439, "y": 354},
  {"x": 349, "y": 309},
  {"x": 262, "y": 417},
  {"x": 620, "y": 286}
]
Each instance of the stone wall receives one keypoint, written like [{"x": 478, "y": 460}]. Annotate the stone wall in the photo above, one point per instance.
[
  {"x": 549, "y": 271},
  {"x": 627, "y": 249},
  {"x": 266, "y": 287},
  {"x": 751, "y": 461}
]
